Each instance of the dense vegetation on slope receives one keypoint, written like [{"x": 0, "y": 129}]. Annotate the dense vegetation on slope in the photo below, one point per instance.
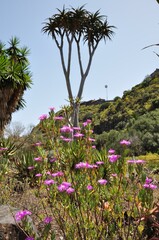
[{"x": 134, "y": 116}]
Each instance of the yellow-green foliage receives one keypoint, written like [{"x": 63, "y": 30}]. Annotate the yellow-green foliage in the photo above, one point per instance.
[{"x": 150, "y": 157}]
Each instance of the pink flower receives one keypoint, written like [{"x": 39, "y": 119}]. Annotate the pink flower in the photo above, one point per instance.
[
  {"x": 77, "y": 128},
  {"x": 94, "y": 166},
  {"x": 89, "y": 187},
  {"x": 38, "y": 144},
  {"x": 91, "y": 139},
  {"x": 99, "y": 162},
  {"x": 148, "y": 180},
  {"x": 151, "y": 186},
  {"x": 111, "y": 151},
  {"x": 51, "y": 108},
  {"x": 88, "y": 120},
  {"x": 85, "y": 165},
  {"x": 140, "y": 161},
  {"x": 148, "y": 184},
  {"x": 57, "y": 174},
  {"x": 49, "y": 181},
  {"x": 64, "y": 186},
  {"x": 67, "y": 139},
  {"x": 113, "y": 158},
  {"x": 58, "y": 118},
  {"x": 77, "y": 135},
  {"x": 136, "y": 161},
  {"x": 31, "y": 167},
  {"x": 38, "y": 159},
  {"x": 53, "y": 160},
  {"x": 48, "y": 220},
  {"x": 3, "y": 149},
  {"x": 94, "y": 147},
  {"x": 85, "y": 124},
  {"x": 102, "y": 181},
  {"x": 21, "y": 214},
  {"x": 38, "y": 175},
  {"x": 61, "y": 188},
  {"x": 43, "y": 117},
  {"x": 66, "y": 129},
  {"x": 70, "y": 190},
  {"x": 125, "y": 142},
  {"x": 114, "y": 175}
]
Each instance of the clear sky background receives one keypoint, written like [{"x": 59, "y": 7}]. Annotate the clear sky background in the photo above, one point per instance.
[{"x": 120, "y": 63}]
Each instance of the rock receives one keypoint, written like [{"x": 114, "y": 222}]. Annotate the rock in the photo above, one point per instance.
[
  {"x": 9, "y": 230},
  {"x": 6, "y": 214}
]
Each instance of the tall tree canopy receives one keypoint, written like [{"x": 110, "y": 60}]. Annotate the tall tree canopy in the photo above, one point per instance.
[
  {"x": 15, "y": 78},
  {"x": 75, "y": 27}
]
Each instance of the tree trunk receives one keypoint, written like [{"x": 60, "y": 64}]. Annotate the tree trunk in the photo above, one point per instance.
[
  {"x": 9, "y": 99},
  {"x": 75, "y": 114}
]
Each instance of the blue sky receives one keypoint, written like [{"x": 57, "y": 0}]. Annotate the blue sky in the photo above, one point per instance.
[{"x": 120, "y": 63}]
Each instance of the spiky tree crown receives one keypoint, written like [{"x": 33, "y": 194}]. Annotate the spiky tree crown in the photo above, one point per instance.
[
  {"x": 91, "y": 27},
  {"x": 14, "y": 65}
]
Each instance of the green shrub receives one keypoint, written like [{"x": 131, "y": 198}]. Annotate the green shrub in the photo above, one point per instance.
[{"x": 90, "y": 194}]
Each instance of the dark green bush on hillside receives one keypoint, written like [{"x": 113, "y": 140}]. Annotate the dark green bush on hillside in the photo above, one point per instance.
[
  {"x": 142, "y": 132},
  {"x": 147, "y": 127}
]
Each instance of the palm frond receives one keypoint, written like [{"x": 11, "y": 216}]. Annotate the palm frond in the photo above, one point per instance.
[
  {"x": 156, "y": 54},
  {"x": 152, "y": 45},
  {"x": 21, "y": 104}
]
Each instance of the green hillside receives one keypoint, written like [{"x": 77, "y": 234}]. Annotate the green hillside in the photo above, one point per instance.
[
  {"x": 116, "y": 114},
  {"x": 135, "y": 115}
]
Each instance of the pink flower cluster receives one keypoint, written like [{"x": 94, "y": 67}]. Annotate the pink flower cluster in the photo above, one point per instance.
[
  {"x": 78, "y": 135},
  {"x": 65, "y": 187},
  {"x": 49, "y": 182},
  {"x": 43, "y": 117},
  {"x": 57, "y": 174},
  {"x": 148, "y": 184},
  {"x": 66, "y": 129},
  {"x": 125, "y": 142},
  {"x": 85, "y": 165},
  {"x": 113, "y": 158},
  {"x": 136, "y": 161},
  {"x": 21, "y": 214},
  {"x": 88, "y": 121}
]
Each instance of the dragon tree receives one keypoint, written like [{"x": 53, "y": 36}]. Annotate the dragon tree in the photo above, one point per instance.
[
  {"x": 75, "y": 27},
  {"x": 15, "y": 78}
]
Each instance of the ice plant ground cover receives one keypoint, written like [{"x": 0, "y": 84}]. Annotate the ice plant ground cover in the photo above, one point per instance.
[{"x": 89, "y": 194}]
